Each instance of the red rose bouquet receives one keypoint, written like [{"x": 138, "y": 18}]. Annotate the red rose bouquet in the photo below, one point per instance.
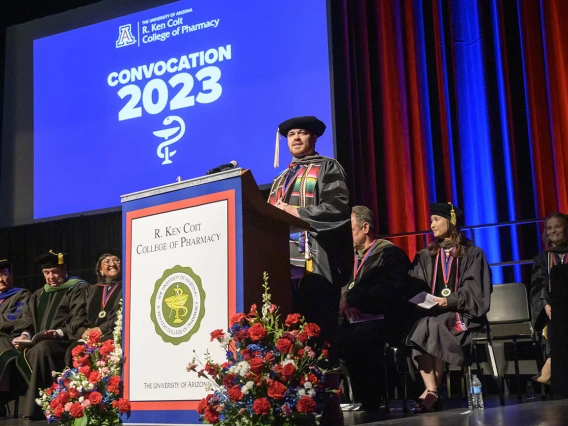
[
  {"x": 89, "y": 393},
  {"x": 274, "y": 373}
]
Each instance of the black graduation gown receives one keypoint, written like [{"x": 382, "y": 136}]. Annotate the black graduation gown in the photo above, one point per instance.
[
  {"x": 330, "y": 243},
  {"x": 37, "y": 362},
  {"x": 540, "y": 295},
  {"x": 436, "y": 333},
  {"x": 382, "y": 286},
  {"x": 95, "y": 306},
  {"x": 92, "y": 319},
  {"x": 328, "y": 213}
]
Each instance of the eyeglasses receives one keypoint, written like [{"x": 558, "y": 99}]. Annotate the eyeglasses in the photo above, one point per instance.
[{"x": 115, "y": 260}]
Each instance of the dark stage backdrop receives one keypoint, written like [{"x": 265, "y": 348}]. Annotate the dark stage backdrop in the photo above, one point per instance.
[
  {"x": 436, "y": 100},
  {"x": 81, "y": 236}
]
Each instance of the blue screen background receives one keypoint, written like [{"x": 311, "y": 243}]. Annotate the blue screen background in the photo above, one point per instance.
[{"x": 279, "y": 69}]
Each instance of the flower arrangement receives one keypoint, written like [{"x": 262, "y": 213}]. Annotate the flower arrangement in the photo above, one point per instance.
[
  {"x": 89, "y": 393},
  {"x": 274, "y": 372}
]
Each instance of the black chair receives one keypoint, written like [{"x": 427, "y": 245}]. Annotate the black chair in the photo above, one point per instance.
[{"x": 509, "y": 319}]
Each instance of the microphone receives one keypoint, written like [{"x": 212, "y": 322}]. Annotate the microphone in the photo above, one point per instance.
[{"x": 231, "y": 165}]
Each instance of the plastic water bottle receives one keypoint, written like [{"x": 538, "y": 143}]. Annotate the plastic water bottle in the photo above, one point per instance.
[
  {"x": 529, "y": 391},
  {"x": 476, "y": 393},
  {"x": 470, "y": 405}
]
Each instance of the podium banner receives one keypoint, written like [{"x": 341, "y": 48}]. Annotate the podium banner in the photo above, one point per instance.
[{"x": 180, "y": 250}]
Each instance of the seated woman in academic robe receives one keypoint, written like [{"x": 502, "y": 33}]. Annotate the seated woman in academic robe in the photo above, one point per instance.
[
  {"x": 457, "y": 274},
  {"x": 103, "y": 302},
  {"x": 555, "y": 238}
]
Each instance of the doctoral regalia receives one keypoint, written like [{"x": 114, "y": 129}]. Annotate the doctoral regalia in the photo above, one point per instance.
[
  {"x": 444, "y": 332},
  {"x": 317, "y": 185},
  {"x": 100, "y": 298},
  {"x": 380, "y": 286},
  {"x": 48, "y": 309}
]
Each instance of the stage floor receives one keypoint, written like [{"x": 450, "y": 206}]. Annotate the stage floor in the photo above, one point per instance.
[{"x": 541, "y": 413}]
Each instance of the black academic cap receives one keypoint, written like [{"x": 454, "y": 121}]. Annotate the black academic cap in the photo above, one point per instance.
[
  {"x": 5, "y": 264},
  {"x": 445, "y": 210},
  {"x": 51, "y": 259},
  {"x": 308, "y": 122}
]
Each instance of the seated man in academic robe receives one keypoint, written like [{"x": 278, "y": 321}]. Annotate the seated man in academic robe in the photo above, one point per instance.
[
  {"x": 44, "y": 327},
  {"x": 12, "y": 301},
  {"x": 374, "y": 306}
]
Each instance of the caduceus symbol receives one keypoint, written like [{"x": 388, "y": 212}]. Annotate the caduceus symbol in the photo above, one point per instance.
[{"x": 163, "y": 150}]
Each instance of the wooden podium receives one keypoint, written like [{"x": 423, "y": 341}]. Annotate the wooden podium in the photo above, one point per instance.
[{"x": 194, "y": 255}]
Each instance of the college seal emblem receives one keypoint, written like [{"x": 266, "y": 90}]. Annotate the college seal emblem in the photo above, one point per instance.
[{"x": 177, "y": 305}]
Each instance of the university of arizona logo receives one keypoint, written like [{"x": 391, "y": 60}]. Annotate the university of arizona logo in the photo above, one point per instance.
[{"x": 125, "y": 37}]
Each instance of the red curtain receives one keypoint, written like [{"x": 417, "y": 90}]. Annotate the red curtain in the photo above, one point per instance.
[
  {"x": 401, "y": 107},
  {"x": 555, "y": 17}
]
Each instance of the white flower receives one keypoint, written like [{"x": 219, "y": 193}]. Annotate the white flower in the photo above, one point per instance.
[
  {"x": 247, "y": 387},
  {"x": 308, "y": 385},
  {"x": 81, "y": 398},
  {"x": 301, "y": 392},
  {"x": 226, "y": 339},
  {"x": 244, "y": 368},
  {"x": 38, "y": 402},
  {"x": 208, "y": 387}
]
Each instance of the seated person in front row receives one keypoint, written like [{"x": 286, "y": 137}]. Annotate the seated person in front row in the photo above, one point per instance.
[
  {"x": 47, "y": 314},
  {"x": 12, "y": 301},
  {"x": 103, "y": 302},
  {"x": 378, "y": 297},
  {"x": 555, "y": 238},
  {"x": 455, "y": 271}
]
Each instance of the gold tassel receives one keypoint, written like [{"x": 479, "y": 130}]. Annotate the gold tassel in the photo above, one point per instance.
[
  {"x": 277, "y": 150},
  {"x": 309, "y": 259},
  {"x": 309, "y": 265},
  {"x": 545, "y": 332},
  {"x": 60, "y": 260},
  {"x": 453, "y": 219}
]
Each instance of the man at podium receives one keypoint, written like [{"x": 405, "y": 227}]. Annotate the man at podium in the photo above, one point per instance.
[{"x": 313, "y": 188}]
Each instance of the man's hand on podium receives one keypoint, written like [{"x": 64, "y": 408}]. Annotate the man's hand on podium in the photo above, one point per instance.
[{"x": 287, "y": 208}]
